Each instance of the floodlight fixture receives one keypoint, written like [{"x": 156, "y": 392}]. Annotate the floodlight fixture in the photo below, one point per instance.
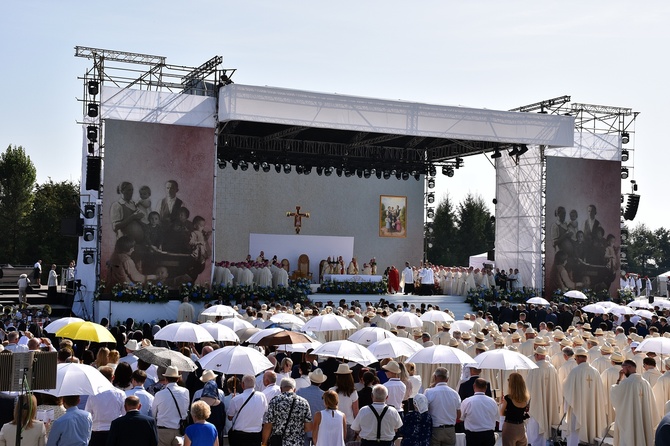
[
  {"x": 328, "y": 171},
  {"x": 405, "y": 176},
  {"x": 278, "y": 168},
  {"x": 93, "y": 88},
  {"x": 307, "y": 170},
  {"x": 430, "y": 213},
  {"x": 431, "y": 183},
  {"x": 523, "y": 148},
  {"x": 222, "y": 164},
  {"x": 89, "y": 256},
  {"x": 624, "y": 173},
  {"x": 243, "y": 165},
  {"x": 367, "y": 173},
  {"x": 319, "y": 170},
  {"x": 92, "y": 109},
  {"x": 287, "y": 168},
  {"x": 92, "y": 133},
  {"x": 89, "y": 234},
  {"x": 514, "y": 151},
  {"x": 625, "y": 155},
  {"x": 265, "y": 166},
  {"x": 496, "y": 154},
  {"x": 89, "y": 210},
  {"x": 625, "y": 137},
  {"x": 430, "y": 198}
]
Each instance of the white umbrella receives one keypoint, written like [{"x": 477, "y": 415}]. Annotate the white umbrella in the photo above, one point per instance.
[
  {"x": 60, "y": 323},
  {"x": 621, "y": 309},
  {"x": 607, "y": 304},
  {"x": 436, "y": 316},
  {"x": 462, "y": 325},
  {"x": 285, "y": 318},
  {"x": 235, "y": 324},
  {"x": 220, "y": 332},
  {"x": 219, "y": 310},
  {"x": 254, "y": 338},
  {"x": 299, "y": 348},
  {"x": 575, "y": 294},
  {"x": 369, "y": 335},
  {"x": 640, "y": 304},
  {"x": 78, "y": 379},
  {"x": 538, "y": 301},
  {"x": 246, "y": 333},
  {"x": 328, "y": 322},
  {"x": 183, "y": 332},
  {"x": 644, "y": 313},
  {"x": 595, "y": 308},
  {"x": 394, "y": 347},
  {"x": 502, "y": 359},
  {"x": 441, "y": 354},
  {"x": 236, "y": 360},
  {"x": 164, "y": 357},
  {"x": 660, "y": 345},
  {"x": 346, "y": 350},
  {"x": 404, "y": 319}
]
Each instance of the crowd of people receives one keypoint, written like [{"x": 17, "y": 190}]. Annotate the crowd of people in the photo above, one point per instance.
[{"x": 590, "y": 373}]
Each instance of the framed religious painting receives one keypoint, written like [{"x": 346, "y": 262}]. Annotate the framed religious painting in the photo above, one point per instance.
[{"x": 392, "y": 216}]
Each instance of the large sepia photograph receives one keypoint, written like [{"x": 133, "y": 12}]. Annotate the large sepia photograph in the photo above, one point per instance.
[
  {"x": 392, "y": 216},
  {"x": 157, "y": 212}
]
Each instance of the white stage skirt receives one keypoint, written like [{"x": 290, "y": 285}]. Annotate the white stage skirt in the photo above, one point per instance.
[{"x": 351, "y": 278}]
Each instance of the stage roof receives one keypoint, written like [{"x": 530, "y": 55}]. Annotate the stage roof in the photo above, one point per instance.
[{"x": 279, "y": 125}]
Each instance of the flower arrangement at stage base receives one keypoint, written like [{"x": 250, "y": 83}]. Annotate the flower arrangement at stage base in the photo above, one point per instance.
[
  {"x": 297, "y": 291},
  {"x": 136, "y": 292},
  {"x": 330, "y": 287}
]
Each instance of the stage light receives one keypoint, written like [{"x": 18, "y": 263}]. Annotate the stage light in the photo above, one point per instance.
[
  {"x": 624, "y": 236},
  {"x": 243, "y": 165},
  {"x": 265, "y": 166},
  {"x": 359, "y": 173},
  {"x": 450, "y": 171},
  {"x": 398, "y": 174},
  {"x": 89, "y": 211},
  {"x": 307, "y": 170},
  {"x": 92, "y": 133},
  {"x": 514, "y": 151},
  {"x": 222, "y": 164},
  {"x": 234, "y": 164},
  {"x": 634, "y": 185},
  {"x": 256, "y": 166},
  {"x": 93, "y": 88},
  {"x": 287, "y": 168},
  {"x": 624, "y": 173},
  {"x": 89, "y": 234},
  {"x": 460, "y": 162},
  {"x": 432, "y": 170},
  {"x": 405, "y": 176},
  {"x": 625, "y": 138},
  {"x": 89, "y": 256},
  {"x": 386, "y": 174},
  {"x": 430, "y": 213},
  {"x": 522, "y": 149},
  {"x": 328, "y": 171},
  {"x": 299, "y": 169},
  {"x": 367, "y": 173},
  {"x": 624, "y": 155},
  {"x": 92, "y": 110},
  {"x": 430, "y": 245},
  {"x": 278, "y": 168},
  {"x": 417, "y": 176},
  {"x": 319, "y": 170},
  {"x": 91, "y": 148},
  {"x": 348, "y": 172},
  {"x": 338, "y": 171},
  {"x": 431, "y": 183},
  {"x": 430, "y": 197},
  {"x": 496, "y": 154},
  {"x": 495, "y": 201}
]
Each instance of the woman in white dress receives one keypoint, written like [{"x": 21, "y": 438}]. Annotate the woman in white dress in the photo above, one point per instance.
[
  {"x": 330, "y": 425},
  {"x": 347, "y": 395}
]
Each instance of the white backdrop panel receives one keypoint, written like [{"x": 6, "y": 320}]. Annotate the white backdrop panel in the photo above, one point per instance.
[
  {"x": 591, "y": 146},
  {"x": 290, "y": 247}
]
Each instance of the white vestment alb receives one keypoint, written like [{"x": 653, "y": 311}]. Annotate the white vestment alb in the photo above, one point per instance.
[
  {"x": 636, "y": 413},
  {"x": 545, "y": 400},
  {"x": 585, "y": 399}
]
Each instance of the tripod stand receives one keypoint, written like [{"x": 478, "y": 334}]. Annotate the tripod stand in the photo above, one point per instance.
[{"x": 79, "y": 298}]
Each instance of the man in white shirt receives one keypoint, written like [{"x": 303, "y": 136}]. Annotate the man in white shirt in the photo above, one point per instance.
[
  {"x": 104, "y": 408},
  {"x": 372, "y": 432},
  {"x": 408, "y": 278},
  {"x": 427, "y": 280},
  {"x": 14, "y": 346},
  {"x": 480, "y": 413},
  {"x": 245, "y": 411},
  {"x": 138, "y": 378},
  {"x": 170, "y": 406},
  {"x": 444, "y": 406},
  {"x": 396, "y": 388},
  {"x": 271, "y": 389},
  {"x": 131, "y": 347}
]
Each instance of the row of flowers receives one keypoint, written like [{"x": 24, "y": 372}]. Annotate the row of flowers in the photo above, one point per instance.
[
  {"x": 297, "y": 291},
  {"x": 330, "y": 287}
]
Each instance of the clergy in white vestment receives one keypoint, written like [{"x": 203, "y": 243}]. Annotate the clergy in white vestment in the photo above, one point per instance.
[
  {"x": 265, "y": 277},
  {"x": 569, "y": 364},
  {"x": 609, "y": 377},
  {"x": 662, "y": 389},
  {"x": 602, "y": 361},
  {"x": 545, "y": 399},
  {"x": 282, "y": 277},
  {"x": 650, "y": 373},
  {"x": 635, "y": 407},
  {"x": 585, "y": 402}
]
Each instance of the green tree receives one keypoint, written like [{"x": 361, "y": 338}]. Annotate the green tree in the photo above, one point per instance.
[
  {"x": 663, "y": 240},
  {"x": 444, "y": 235},
  {"x": 17, "y": 181},
  {"x": 53, "y": 202},
  {"x": 644, "y": 254},
  {"x": 475, "y": 229}
]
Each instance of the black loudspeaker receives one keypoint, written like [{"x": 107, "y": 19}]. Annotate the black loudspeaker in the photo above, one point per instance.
[
  {"x": 631, "y": 207},
  {"x": 72, "y": 227},
  {"x": 38, "y": 369},
  {"x": 93, "y": 168},
  {"x": 491, "y": 255}
]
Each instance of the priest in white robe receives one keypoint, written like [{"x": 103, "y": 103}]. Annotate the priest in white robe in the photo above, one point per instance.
[
  {"x": 635, "y": 406},
  {"x": 544, "y": 411},
  {"x": 585, "y": 402},
  {"x": 662, "y": 388},
  {"x": 609, "y": 378}
]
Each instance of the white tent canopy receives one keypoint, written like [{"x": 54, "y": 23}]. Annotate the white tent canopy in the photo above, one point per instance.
[
  {"x": 478, "y": 261},
  {"x": 662, "y": 281}
]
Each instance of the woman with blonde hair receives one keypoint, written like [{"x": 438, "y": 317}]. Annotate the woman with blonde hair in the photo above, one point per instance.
[
  {"x": 285, "y": 367},
  {"x": 102, "y": 358},
  {"x": 113, "y": 358},
  {"x": 33, "y": 432},
  {"x": 330, "y": 424},
  {"x": 514, "y": 409},
  {"x": 201, "y": 432},
  {"x": 347, "y": 395},
  {"x": 413, "y": 378}
]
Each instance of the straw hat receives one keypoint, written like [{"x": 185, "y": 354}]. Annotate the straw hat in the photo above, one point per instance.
[
  {"x": 530, "y": 330},
  {"x": 558, "y": 334},
  {"x": 586, "y": 326},
  {"x": 392, "y": 367},
  {"x": 617, "y": 357},
  {"x": 516, "y": 335},
  {"x": 581, "y": 351},
  {"x": 481, "y": 346},
  {"x": 207, "y": 376},
  {"x": 606, "y": 348},
  {"x": 171, "y": 372},
  {"x": 540, "y": 351},
  {"x": 453, "y": 342},
  {"x": 466, "y": 335},
  {"x": 132, "y": 345},
  {"x": 565, "y": 342},
  {"x": 343, "y": 369},
  {"x": 317, "y": 376}
]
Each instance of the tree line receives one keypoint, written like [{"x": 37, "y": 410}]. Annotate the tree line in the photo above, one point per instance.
[
  {"x": 648, "y": 251},
  {"x": 31, "y": 213}
]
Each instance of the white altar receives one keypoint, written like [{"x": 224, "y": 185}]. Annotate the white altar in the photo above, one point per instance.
[{"x": 351, "y": 278}]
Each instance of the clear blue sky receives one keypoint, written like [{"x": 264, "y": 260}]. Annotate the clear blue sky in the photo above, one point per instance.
[{"x": 489, "y": 54}]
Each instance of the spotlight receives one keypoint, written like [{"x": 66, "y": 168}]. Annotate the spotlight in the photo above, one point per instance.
[
  {"x": 624, "y": 173},
  {"x": 625, "y": 138},
  {"x": 287, "y": 168},
  {"x": 398, "y": 174},
  {"x": 432, "y": 170},
  {"x": 359, "y": 173},
  {"x": 417, "y": 176},
  {"x": 307, "y": 170},
  {"x": 256, "y": 166},
  {"x": 450, "y": 171},
  {"x": 338, "y": 171},
  {"x": 514, "y": 151},
  {"x": 234, "y": 164},
  {"x": 348, "y": 172},
  {"x": 496, "y": 154},
  {"x": 89, "y": 211},
  {"x": 430, "y": 213},
  {"x": 495, "y": 201},
  {"x": 265, "y": 166},
  {"x": 430, "y": 197},
  {"x": 378, "y": 174},
  {"x": 278, "y": 168},
  {"x": 625, "y": 155},
  {"x": 93, "y": 88},
  {"x": 319, "y": 170},
  {"x": 405, "y": 176},
  {"x": 299, "y": 169},
  {"x": 328, "y": 171},
  {"x": 366, "y": 173},
  {"x": 92, "y": 133},
  {"x": 431, "y": 183},
  {"x": 460, "y": 162},
  {"x": 92, "y": 110},
  {"x": 91, "y": 148},
  {"x": 387, "y": 174},
  {"x": 430, "y": 245},
  {"x": 222, "y": 164},
  {"x": 523, "y": 148},
  {"x": 243, "y": 165},
  {"x": 429, "y": 227},
  {"x": 89, "y": 234},
  {"x": 89, "y": 256}
]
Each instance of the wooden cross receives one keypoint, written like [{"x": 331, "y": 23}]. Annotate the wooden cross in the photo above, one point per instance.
[{"x": 297, "y": 218}]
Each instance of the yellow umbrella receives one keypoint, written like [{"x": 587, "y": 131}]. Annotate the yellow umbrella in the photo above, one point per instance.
[{"x": 85, "y": 331}]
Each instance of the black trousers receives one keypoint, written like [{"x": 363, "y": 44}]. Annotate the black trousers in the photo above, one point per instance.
[
  {"x": 483, "y": 438},
  {"x": 409, "y": 288},
  {"x": 98, "y": 438},
  {"x": 365, "y": 442},
  {"x": 239, "y": 438}
]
